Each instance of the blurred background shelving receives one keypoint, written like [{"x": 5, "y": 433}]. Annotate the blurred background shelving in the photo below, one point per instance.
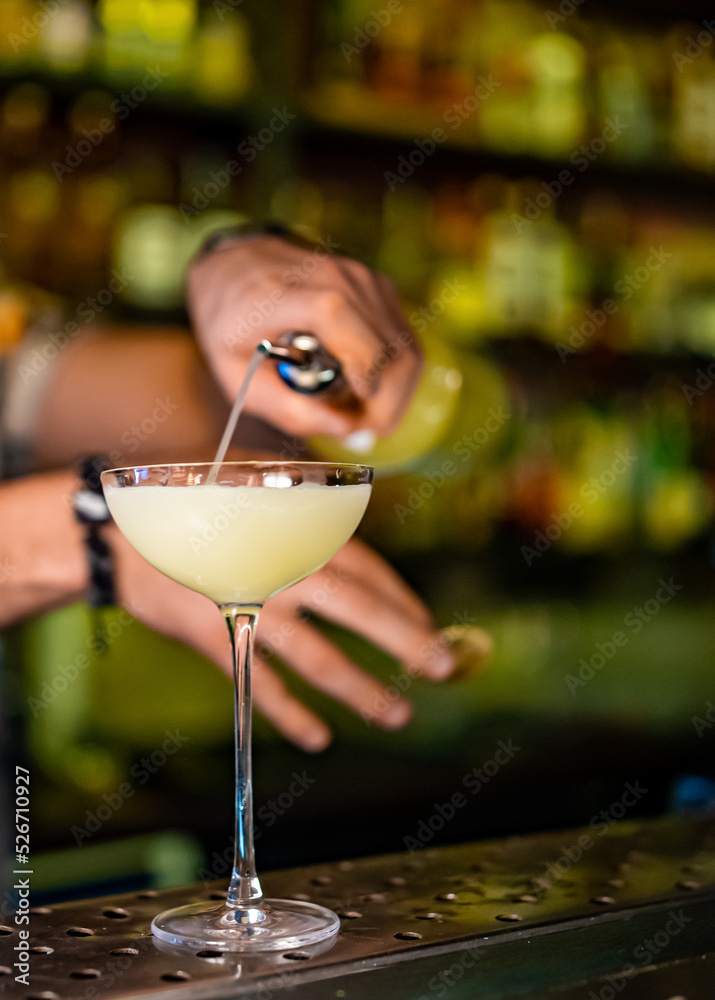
[{"x": 555, "y": 251}]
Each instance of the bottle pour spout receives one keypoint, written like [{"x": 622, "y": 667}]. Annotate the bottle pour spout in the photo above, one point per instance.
[{"x": 303, "y": 363}]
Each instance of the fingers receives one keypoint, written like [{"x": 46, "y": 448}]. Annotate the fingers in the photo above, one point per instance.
[
  {"x": 396, "y": 387},
  {"x": 393, "y": 372},
  {"x": 290, "y": 717},
  {"x": 353, "y": 602},
  {"x": 359, "y": 560},
  {"x": 329, "y": 669},
  {"x": 298, "y": 415},
  {"x": 265, "y": 286},
  {"x": 348, "y": 332}
]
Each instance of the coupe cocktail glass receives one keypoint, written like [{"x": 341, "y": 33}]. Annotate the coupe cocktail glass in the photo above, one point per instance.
[{"x": 238, "y": 535}]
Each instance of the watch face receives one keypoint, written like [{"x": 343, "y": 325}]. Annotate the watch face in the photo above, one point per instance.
[{"x": 93, "y": 506}]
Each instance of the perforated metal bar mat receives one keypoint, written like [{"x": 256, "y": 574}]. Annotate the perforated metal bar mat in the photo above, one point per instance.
[{"x": 630, "y": 906}]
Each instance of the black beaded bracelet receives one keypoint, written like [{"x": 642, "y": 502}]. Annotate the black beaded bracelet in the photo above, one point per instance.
[{"x": 91, "y": 510}]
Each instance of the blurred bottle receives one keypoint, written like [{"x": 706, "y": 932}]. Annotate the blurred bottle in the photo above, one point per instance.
[
  {"x": 147, "y": 245},
  {"x": 557, "y": 110},
  {"x": 624, "y": 95},
  {"x": 692, "y": 273},
  {"x": 675, "y": 502},
  {"x": 223, "y": 69},
  {"x": 404, "y": 237},
  {"x": 645, "y": 282},
  {"x": 455, "y": 395},
  {"x": 154, "y": 244},
  {"x": 124, "y": 46},
  {"x": 443, "y": 78},
  {"x": 32, "y": 205},
  {"x": 505, "y": 119},
  {"x": 532, "y": 486},
  {"x": 138, "y": 35},
  {"x": 169, "y": 27},
  {"x": 65, "y": 38},
  {"x": 534, "y": 277},
  {"x": 597, "y": 472},
  {"x": 394, "y": 62},
  {"x": 18, "y": 34},
  {"x": 82, "y": 246},
  {"x": 693, "y": 87},
  {"x": 24, "y": 124}
]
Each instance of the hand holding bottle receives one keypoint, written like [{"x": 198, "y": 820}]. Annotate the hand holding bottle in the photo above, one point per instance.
[{"x": 262, "y": 285}]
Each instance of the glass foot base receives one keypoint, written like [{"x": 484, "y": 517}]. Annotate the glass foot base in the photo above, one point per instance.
[{"x": 274, "y": 925}]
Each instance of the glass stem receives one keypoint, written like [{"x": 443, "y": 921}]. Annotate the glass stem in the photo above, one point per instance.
[{"x": 245, "y": 889}]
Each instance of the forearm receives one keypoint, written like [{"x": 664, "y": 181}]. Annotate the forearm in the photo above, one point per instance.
[
  {"x": 139, "y": 395},
  {"x": 42, "y": 559}
]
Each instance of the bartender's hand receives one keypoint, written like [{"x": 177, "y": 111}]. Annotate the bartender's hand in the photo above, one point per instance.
[
  {"x": 43, "y": 565},
  {"x": 262, "y": 286},
  {"x": 360, "y": 591},
  {"x": 356, "y": 588}
]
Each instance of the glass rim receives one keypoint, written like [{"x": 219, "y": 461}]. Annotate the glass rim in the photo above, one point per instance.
[{"x": 249, "y": 464}]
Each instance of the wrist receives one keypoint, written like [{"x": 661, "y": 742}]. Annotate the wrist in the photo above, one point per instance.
[
  {"x": 92, "y": 513},
  {"x": 42, "y": 563},
  {"x": 228, "y": 252},
  {"x": 229, "y": 236}
]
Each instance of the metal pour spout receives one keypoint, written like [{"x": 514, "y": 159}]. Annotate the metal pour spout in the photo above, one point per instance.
[{"x": 303, "y": 362}]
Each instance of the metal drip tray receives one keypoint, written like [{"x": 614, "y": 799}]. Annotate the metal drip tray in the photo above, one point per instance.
[{"x": 520, "y": 917}]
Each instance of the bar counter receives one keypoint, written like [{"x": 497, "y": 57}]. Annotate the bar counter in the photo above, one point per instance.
[{"x": 585, "y": 913}]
